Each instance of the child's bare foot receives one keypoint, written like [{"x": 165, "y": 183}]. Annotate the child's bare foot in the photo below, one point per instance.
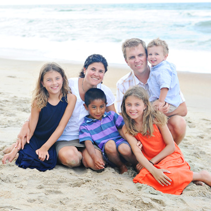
[
  {"x": 138, "y": 167},
  {"x": 198, "y": 183},
  {"x": 9, "y": 149},
  {"x": 10, "y": 157},
  {"x": 206, "y": 177},
  {"x": 123, "y": 169}
]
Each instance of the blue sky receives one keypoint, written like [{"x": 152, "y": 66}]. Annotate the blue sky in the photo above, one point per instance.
[{"x": 24, "y": 2}]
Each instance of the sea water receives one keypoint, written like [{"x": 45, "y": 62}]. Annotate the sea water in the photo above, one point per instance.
[{"x": 70, "y": 33}]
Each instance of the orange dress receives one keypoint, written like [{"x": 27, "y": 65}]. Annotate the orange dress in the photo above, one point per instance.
[{"x": 180, "y": 174}]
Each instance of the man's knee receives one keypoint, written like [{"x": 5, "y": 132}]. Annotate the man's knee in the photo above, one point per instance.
[
  {"x": 177, "y": 124},
  {"x": 177, "y": 127}
]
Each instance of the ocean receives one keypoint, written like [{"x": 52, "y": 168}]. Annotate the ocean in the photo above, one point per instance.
[{"x": 70, "y": 33}]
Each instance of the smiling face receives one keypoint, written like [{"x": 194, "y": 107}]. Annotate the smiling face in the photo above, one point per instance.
[
  {"x": 94, "y": 73},
  {"x": 134, "y": 108},
  {"x": 156, "y": 55},
  {"x": 96, "y": 109},
  {"x": 136, "y": 59},
  {"x": 53, "y": 82}
]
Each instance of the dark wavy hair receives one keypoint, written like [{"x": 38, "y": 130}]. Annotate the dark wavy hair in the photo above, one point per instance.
[
  {"x": 94, "y": 94},
  {"x": 92, "y": 59}
]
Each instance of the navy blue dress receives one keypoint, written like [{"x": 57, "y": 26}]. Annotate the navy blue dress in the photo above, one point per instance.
[{"x": 49, "y": 119}]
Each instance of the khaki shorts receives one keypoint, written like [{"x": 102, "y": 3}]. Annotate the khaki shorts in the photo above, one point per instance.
[{"x": 75, "y": 143}]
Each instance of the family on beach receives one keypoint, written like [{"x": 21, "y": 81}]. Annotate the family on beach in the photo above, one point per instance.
[{"x": 74, "y": 122}]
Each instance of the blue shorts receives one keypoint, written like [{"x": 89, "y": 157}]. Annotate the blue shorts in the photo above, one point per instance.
[{"x": 105, "y": 157}]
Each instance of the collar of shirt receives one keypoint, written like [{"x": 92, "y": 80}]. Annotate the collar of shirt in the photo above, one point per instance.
[
  {"x": 136, "y": 81},
  {"x": 87, "y": 119},
  {"x": 158, "y": 65}
]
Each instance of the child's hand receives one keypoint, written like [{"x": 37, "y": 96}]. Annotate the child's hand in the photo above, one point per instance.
[
  {"x": 42, "y": 154},
  {"x": 99, "y": 163},
  {"x": 139, "y": 145},
  {"x": 161, "y": 177}
]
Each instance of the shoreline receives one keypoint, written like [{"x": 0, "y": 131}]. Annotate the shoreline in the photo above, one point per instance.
[{"x": 83, "y": 189}]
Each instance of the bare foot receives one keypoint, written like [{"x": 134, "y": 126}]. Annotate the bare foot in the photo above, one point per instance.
[
  {"x": 10, "y": 157},
  {"x": 138, "y": 167},
  {"x": 123, "y": 169},
  {"x": 9, "y": 149},
  {"x": 206, "y": 177},
  {"x": 198, "y": 183}
]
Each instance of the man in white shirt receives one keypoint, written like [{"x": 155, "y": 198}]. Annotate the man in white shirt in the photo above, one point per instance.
[{"x": 135, "y": 54}]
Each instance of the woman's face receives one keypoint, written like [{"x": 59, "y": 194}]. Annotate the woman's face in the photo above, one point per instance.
[{"x": 94, "y": 73}]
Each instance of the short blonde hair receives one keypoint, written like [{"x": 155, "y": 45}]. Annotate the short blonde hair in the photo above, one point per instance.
[
  {"x": 159, "y": 42},
  {"x": 133, "y": 42}
]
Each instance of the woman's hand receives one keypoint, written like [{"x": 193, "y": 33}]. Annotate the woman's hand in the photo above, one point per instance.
[
  {"x": 23, "y": 136},
  {"x": 161, "y": 177},
  {"x": 42, "y": 154}
]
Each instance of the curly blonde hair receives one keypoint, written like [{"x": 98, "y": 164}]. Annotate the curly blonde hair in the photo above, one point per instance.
[
  {"x": 159, "y": 42},
  {"x": 150, "y": 116},
  {"x": 40, "y": 94}
]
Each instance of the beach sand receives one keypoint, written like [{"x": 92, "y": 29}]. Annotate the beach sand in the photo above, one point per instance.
[{"x": 83, "y": 189}]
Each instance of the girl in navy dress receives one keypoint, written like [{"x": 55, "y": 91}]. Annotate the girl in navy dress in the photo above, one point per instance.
[{"x": 52, "y": 107}]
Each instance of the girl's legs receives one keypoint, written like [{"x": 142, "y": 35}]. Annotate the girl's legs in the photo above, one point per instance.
[
  {"x": 70, "y": 156},
  {"x": 202, "y": 176},
  {"x": 113, "y": 156}
]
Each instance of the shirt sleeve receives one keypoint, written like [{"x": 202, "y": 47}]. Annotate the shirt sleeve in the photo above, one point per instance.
[
  {"x": 118, "y": 120},
  {"x": 164, "y": 79},
  {"x": 84, "y": 134},
  {"x": 119, "y": 97},
  {"x": 109, "y": 95}
]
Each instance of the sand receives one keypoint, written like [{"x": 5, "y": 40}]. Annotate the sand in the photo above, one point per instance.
[{"x": 83, "y": 189}]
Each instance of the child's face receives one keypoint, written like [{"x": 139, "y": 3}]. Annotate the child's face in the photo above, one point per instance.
[
  {"x": 96, "y": 109},
  {"x": 53, "y": 82},
  {"x": 156, "y": 55},
  {"x": 134, "y": 107}
]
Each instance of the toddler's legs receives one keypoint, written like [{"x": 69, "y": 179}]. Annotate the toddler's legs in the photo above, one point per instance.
[
  {"x": 70, "y": 156},
  {"x": 10, "y": 156},
  {"x": 203, "y": 176},
  {"x": 113, "y": 156}
]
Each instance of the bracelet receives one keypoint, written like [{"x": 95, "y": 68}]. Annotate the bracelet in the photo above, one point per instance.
[{"x": 151, "y": 162}]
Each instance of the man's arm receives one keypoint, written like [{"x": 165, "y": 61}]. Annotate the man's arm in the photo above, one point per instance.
[{"x": 180, "y": 110}]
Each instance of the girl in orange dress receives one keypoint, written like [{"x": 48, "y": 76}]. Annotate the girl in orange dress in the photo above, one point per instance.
[{"x": 161, "y": 163}]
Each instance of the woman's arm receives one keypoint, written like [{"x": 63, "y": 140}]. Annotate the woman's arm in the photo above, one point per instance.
[
  {"x": 110, "y": 108},
  {"x": 43, "y": 151},
  {"x": 23, "y": 135}
]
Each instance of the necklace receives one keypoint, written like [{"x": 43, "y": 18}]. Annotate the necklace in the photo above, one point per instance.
[{"x": 83, "y": 85}]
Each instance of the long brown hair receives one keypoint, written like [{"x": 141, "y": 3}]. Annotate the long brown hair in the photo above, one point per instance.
[
  {"x": 150, "y": 116},
  {"x": 40, "y": 94}
]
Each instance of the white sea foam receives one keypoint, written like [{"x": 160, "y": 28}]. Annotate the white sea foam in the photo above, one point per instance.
[{"x": 72, "y": 32}]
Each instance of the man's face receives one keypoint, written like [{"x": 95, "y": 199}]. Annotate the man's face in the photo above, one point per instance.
[{"x": 136, "y": 59}]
